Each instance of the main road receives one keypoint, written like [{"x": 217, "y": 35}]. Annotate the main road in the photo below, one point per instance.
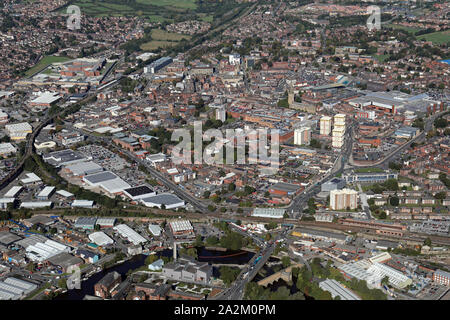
[
  {"x": 236, "y": 291},
  {"x": 300, "y": 201}
]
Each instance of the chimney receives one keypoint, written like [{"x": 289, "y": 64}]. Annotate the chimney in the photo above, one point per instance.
[{"x": 175, "y": 251}]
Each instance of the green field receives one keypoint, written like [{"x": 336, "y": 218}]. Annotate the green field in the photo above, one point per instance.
[
  {"x": 184, "y": 4},
  {"x": 44, "y": 62},
  {"x": 159, "y": 34},
  {"x": 163, "y": 39},
  {"x": 156, "y": 10},
  {"x": 439, "y": 37},
  {"x": 381, "y": 57},
  {"x": 411, "y": 30},
  {"x": 155, "y": 44}
]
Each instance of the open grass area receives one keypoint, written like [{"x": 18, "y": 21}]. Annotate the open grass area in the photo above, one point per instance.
[
  {"x": 159, "y": 34},
  {"x": 185, "y": 4},
  {"x": 157, "y": 18},
  {"x": 155, "y": 44},
  {"x": 207, "y": 18},
  {"x": 381, "y": 57},
  {"x": 163, "y": 39},
  {"x": 150, "y": 8},
  {"x": 439, "y": 37},
  {"x": 44, "y": 62},
  {"x": 411, "y": 30}
]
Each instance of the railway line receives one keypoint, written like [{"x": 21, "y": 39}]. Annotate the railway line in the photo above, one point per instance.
[{"x": 325, "y": 226}]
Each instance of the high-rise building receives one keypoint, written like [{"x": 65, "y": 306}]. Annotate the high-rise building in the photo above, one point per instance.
[
  {"x": 302, "y": 136},
  {"x": 338, "y": 137},
  {"x": 338, "y": 131},
  {"x": 339, "y": 120},
  {"x": 221, "y": 114},
  {"x": 343, "y": 199},
  {"x": 325, "y": 125}
]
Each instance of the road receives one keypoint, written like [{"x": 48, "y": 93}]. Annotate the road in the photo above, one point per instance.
[
  {"x": 299, "y": 202},
  {"x": 236, "y": 291}
]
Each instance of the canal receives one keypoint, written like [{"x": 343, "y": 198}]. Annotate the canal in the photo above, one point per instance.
[{"x": 204, "y": 255}]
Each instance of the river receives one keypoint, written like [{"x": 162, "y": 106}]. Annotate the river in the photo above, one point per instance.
[{"x": 204, "y": 255}]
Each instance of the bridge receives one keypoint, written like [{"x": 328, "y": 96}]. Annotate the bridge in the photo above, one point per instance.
[{"x": 285, "y": 274}]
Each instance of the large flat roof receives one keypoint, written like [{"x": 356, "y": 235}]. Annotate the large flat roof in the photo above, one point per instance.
[{"x": 164, "y": 198}]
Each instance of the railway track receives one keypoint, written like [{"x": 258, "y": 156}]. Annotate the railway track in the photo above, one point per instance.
[{"x": 325, "y": 226}]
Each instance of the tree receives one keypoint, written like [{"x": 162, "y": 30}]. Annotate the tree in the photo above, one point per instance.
[
  {"x": 394, "y": 201},
  {"x": 395, "y": 166},
  {"x": 440, "y": 123},
  {"x": 231, "y": 187},
  {"x": 206, "y": 194},
  {"x": 228, "y": 274},
  {"x": 286, "y": 261},
  {"x": 391, "y": 184},
  {"x": 150, "y": 259},
  {"x": 198, "y": 241},
  {"x": 62, "y": 283},
  {"x": 385, "y": 281},
  {"x": 212, "y": 240},
  {"x": 427, "y": 242},
  {"x": 440, "y": 195}
]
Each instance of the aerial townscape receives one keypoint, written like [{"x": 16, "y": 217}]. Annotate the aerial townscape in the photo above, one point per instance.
[{"x": 224, "y": 150}]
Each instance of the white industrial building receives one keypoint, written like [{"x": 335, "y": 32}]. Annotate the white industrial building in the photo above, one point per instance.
[
  {"x": 106, "y": 222},
  {"x": 268, "y": 213},
  {"x": 64, "y": 193},
  {"x": 30, "y": 178},
  {"x": 14, "y": 289},
  {"x": 140, "y": 192},
  {"x": 170, "y": 201},
  {"x": 82, "y": 204},
  {"x": 396, "y": 278},
  {"x": 5, "y": 201},
  {"x": 7, "y": 149},
  {"x": 13, "y": 192},
  {"x": 106, "y": 180},
  {"x": 154, "y": 229},
  {"x": 18, "y": 131},
  {"x": 38, "y": 248},
  {"x": 46, "y": 98},
  {"x": 83, "y": 168},
  {"x": 131, "y": 235},
  {"x": 100, "y": 238},
  {"x": 181, "y": 225},
  {"x": 337, "y": 289},
  {"x": 35, "y": 204},
  {"x": 46, "y": 193}
]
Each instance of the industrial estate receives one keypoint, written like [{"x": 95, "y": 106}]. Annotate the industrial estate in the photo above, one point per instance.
[{"x": 346, "y": 196}]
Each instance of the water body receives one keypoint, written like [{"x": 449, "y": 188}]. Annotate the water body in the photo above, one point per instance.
[
  {"x": 87, "y": 287},
  {"x": 211, "y": 256}
]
